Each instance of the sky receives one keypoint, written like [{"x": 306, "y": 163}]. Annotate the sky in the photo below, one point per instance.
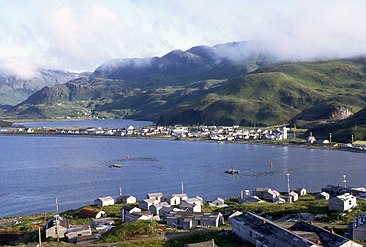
[{"x": 81, "y": 35}]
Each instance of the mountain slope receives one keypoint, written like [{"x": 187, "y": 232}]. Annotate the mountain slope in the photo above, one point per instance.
[
  {"x": 182, "y": 67},
  {"x": 201, "y": 85},
  {"x": 14, "y": 90},
  {"x": 343, "y": 130}
]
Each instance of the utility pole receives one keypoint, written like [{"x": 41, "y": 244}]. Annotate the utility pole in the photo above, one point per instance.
[
  {"x": 120, "y": 191},
  {"x": 330, "y": 137},
  {"x": 57, "y": 220},
  {"x": 182, "y": 187},
  {"x": 39, "y": 237},
  {"x": 352, "y": 139},
  {"x": 288, "y": 188},
  {"x": 344, "y": 181}
]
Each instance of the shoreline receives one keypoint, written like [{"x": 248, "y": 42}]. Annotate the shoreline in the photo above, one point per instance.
[{"x": 274, "y": 144}]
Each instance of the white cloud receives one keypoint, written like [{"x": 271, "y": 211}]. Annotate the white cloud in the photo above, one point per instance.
[{"x": 80, "y": 35}]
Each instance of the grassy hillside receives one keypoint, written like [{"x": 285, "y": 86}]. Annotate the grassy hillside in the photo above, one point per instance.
[
  {"x": 305, "y": 94},
  {"x": 342, "y": 131}
]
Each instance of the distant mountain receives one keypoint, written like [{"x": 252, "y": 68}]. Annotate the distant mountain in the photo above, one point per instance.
[
  {"x": 14, "y": 90},
  {"x": 181, "y": 67},
  {"x": 224, "y": 84}
]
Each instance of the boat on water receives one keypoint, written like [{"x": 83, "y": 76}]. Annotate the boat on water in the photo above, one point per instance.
[
  {"x": 232, "y": 171},
  {"x": 116, "y": 165}
]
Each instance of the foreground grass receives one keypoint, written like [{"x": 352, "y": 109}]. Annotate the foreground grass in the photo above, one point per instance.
[{"x": 131, "y": 229}]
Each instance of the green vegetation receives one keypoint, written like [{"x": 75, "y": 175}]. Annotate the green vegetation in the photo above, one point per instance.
[
  {"x": 130, "y": 229},
  {"x": 301, "y": 93}
]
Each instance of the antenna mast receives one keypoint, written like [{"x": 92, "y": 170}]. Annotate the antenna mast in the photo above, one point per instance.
[
  {"x": 120, "y": 191},
  {"x": 182, "y": 187},
  {"x": 344, "y": 181}
]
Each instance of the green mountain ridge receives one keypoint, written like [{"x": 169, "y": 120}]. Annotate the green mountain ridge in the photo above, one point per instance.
[{"x": 303, "y": 93}]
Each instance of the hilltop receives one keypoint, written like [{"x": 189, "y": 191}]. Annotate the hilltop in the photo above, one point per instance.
[{"x": 14, "y": 89}]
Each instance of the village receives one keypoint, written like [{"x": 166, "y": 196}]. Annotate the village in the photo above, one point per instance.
[
  {"x": 220, "y": 134},
  {"x": 247, "y": 217}
]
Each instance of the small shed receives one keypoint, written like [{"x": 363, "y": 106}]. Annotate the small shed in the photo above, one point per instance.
[
  {"x": 322, "y": 196},
  {"x": 104, "y": 201}
]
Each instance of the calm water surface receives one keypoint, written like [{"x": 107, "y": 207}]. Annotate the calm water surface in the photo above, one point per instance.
[{"x": 34, "y": 169}]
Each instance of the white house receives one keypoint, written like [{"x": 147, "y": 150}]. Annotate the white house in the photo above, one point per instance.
[
  {"x": 104, "y": 201},
  {"x": 194, "y": 200},
  {"x": 156, "y": 196},
  {"x": 182, "y": 196},
  {"x": 147, "y": 203},
  {"x": 266, "y": 193},
  {"x": 190, "y": 207},
  {"x": 342, "y": 203},
  {"x": 75, "y": 232},
  {"x": 301, "y": 191},
  {"x": 219, "y": 203},
  {"x": 189, "y": 220},
  {"x": 293, "y": 196},
  {"x": 126, "y": 199},
  {"x": 171, "y": 199},
  {"x": 155, "y": 208},
  {"x": 61, "y": 223}
]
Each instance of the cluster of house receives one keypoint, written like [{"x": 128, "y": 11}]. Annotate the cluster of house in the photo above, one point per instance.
[
  {"x": 219, "y": 133},
  {"x": 341, "y": 199},
  {"x": 176, "y": 210},
  {"x": 180, "y": 211}
]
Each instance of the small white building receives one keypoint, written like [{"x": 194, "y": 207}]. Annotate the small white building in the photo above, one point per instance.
[
  {"x": 147, "y": 203},
  {"x": 126, "y": 199},
  {"x": 293, "y": 196},
  {"x": 190, "y": 207},
  {"x": 194, "y": 200},
  {"x": 75, "y": 232},
  {"x": 219, "y": 203},
  {"x": 155, "y": 208},
  {"x": 182, "y": 196},
  {"x": 59, "y": 223},
  {"x": 156, "y": 196},
  {"x": 342, "y": 203},
  {"x": 104, "y": 201},
  {"x": 322, "y": 196},
  {"x": 171, "y": 199},
  {"x": 301, "y": 191}
]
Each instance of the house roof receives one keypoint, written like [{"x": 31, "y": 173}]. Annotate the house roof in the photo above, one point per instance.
[
  {"x": 273, "y": 235},
  {"x": 79, "y": 228},
  {"x": 184, "y": 214},
  {"x": 343, "y": 197},
  {"x": 161, "y": 204},
  {"x": 326, "y": 238},
  {"x": 181, "y": 195},
  {"x": 105, "y": 198},
  {"x": 209, "y": 243},
  {"x": 188, "y": 205},
  {"x": 89, "y": 212},
  {"x": 157, "y": 194},
  {"x": 125, "y": 197}
]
